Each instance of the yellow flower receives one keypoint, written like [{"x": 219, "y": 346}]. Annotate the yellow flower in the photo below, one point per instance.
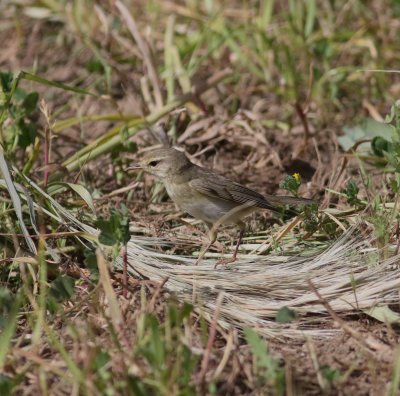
[{"x": 296, "y": 176}]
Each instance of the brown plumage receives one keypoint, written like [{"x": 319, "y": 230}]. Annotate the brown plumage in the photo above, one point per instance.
[{"x": 207, "y": 195}]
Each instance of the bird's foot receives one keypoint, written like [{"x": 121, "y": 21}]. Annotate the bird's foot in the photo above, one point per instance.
[{"x": 226, "y": 261}]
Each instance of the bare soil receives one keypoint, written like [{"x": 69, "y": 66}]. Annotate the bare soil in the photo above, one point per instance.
[{"x": 259, "y": 159}]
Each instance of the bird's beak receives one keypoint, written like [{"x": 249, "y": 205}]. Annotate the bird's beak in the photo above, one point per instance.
[{"x": 135, "y": 166}]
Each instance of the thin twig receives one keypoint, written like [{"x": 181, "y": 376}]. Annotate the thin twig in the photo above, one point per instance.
[
  {"x": 132, "y": 27},
  {"x": 371, "y": 343},
  {"x": 117, "y": 192},
  {"x": 321, "y": 380},
  {"x": 47, "y": 139},
  {"x": 398, "y": 239},
  {"x": 211, "y": 337},
  {"x": 157, "y": 293},
  {"x": 125, "y": 270},
  {"x": 303, "y": 118}
]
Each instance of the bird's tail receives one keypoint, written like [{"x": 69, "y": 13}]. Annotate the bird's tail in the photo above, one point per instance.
[{"x": 283, "y": 199}]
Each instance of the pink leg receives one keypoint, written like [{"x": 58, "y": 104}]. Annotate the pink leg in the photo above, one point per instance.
[
  {"x": 203, "y": 253},
  {"x": 233, "y": 258}
]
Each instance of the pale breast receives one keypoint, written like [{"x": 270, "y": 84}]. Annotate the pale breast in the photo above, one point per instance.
[{"x": 205, "y": 208}]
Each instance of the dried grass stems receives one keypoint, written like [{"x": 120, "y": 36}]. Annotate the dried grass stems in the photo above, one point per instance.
[{"x": 349, "y": 275}]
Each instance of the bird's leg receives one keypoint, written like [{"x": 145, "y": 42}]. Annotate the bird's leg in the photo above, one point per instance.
[
  {"x": 212, "y": 234},
  {"x": 203, "y": 253},
  {"x": 233, "y": 258}
]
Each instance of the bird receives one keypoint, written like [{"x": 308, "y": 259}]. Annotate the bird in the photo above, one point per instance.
[{"x": 207, "y": 195}]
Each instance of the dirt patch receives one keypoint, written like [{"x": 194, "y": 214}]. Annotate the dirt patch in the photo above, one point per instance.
[{"x": 246, "y": 133}]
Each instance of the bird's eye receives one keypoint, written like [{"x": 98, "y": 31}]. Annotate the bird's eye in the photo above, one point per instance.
[{"x": 153, "y": 163}]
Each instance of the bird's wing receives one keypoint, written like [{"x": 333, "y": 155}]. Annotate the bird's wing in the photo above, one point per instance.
[{"x": 217, "y": 186}]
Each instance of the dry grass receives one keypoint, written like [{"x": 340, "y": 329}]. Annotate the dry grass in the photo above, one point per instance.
[
  {"x": 256, "y": 92},
  {"x": 256, "y": 287}
]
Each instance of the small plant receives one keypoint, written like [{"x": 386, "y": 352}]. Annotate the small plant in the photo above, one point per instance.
[
  {"x": 286, "y": 315},
  {"x": 268, "y": 369},
  {"x": 90, "y": 262},
  {"x": 351, "y": 193},
  {"x": 6, "y": 385},
  {"x": 16, "y": 106},
  {"x": 6, "y": 302},
  {"x": 381, "y": 146},
  {"x": 115, "y": 232},
  {"x": 312, "y": 219},
  {"x": 61, "y": 289},
  {"x": 291, "y": 184},
  {"x": 330, "y": 374},
  {"x": 170, "y": 362}
]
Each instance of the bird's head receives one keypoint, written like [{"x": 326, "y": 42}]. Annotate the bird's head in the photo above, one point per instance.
[{"x": 163, "y": 163}]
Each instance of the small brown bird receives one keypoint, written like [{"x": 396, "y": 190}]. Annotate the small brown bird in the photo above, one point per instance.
[{"x": 207, "y": 195}]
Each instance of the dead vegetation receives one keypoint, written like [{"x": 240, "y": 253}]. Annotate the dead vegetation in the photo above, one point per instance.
[{"x": 255, "y": 92}]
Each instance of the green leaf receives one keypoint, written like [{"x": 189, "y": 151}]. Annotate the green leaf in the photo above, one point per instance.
[
  {"x": 6, "y": 303},
  {"x": 186, "y": 310},
  {"x": 272, "y": 373},
  {"x": 367, "y": 129},
  {"x": 157, "y": 344},
  {"x": 10, "y": 135},
  {"x": 286, "y": 315},
  {"x": 90, "y": 262},
  {"x": 30, "y": 102},
  {"x": 138, "y": 387},
  {"x": 32, "y": 77},
  {"x": 90, "y": 259},
  {"x": 394, "y": 111},
  {"x": 188, "y": 366},
  {"x": 107, "y": 232},
  {"x": 28, "y": 133},
  {"x": 62, "y": 288},
  {"x": 395, "y": 183},
  {"x": 259, "y": 348},
  {"x": 379, "y": 145},
  {"x": 393, "y": 159},
  {"x": 383, "y": 314},
  {"x": 330, "y": 374},
  {"x": 107, "y": 238},
  {"x": 125, "y": 234},
  {"x": 19, "y": 93},
  {"x": 100, "y": 360},
  {"x": 6, "y": 385},
  {"x": 310, "y": 18},
  {"x": 8, "y": 332},
  {"x": 16, "y": 112},
  {"x": 80, "y": 190},
  {"x": 94, "y": 65},
  {"x": 16, "y": 201},
  {"x": 352, "y": 189},
  {"x": 291, "y": 183},
  {"x": 115, "y": 230},
  {"x": 329, "y": 226},
  {"x": 352, "y": 192},
  {"x": 124, "y": 134},
  {"x": 6, "y": 80}
]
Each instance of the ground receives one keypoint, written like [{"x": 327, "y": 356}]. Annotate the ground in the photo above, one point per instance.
[{"x": 294, "y": 80}]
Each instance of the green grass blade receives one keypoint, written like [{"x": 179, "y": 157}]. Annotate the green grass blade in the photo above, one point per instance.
[
  {"x": 16, "y": 201},
  {"x": 169, "y": 61},
  {"x": 67, "y": 123},
  {"x": 32, "y": 77},
  {"x": 310, "y": 18},
  {"x": 113, "y": 139},
  {"x": 81, "y": 190},
  {"x": 72, "y": 367},
  {"x": 266, "y": 8},
  {"x": 9, "y": 331}
]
